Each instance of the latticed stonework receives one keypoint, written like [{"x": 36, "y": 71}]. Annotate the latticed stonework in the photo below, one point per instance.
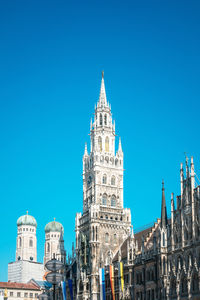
[
  {"x": 104, "y": 223},
  {"x": 161, "y": 261}
]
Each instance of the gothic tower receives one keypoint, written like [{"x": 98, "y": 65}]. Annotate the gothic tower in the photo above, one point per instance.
[
  {"x": 26, "y": 248},
  {"x": 104, "y": 223}
]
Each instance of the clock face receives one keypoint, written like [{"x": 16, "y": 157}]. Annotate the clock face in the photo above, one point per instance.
[{"x": 89, "y": 181}]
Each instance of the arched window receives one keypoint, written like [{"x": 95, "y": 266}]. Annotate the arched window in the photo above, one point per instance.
[
  {"x": 173, "y": 287},
  {"x": 30, "y": 243},
  {"x": 105, "y": 119},
  {"x": 107, "y": 144},
  {"x": 113, "y": 180},
  {"x": 163, "y": 239},
  {"x": 195, "y": 283},
  {"x": 93, "y": 233},
  {"x": 100, "y": 120},
  {"x": 113, "y": 201},
  {"x": 100, "y": 143},
  {"x": 164, "y": 266},
  {"x": 104, "y": 180},
  {"x": 115, "y": 238},
  {"x": 96, "y": 234},
  {"x": 20, "y": 242},
  {"x": 107, "y": 238},
  {"x": 48, "y": 247},
  {"x": 104, "y": 199},
  {"x": 184, "y": 286}
]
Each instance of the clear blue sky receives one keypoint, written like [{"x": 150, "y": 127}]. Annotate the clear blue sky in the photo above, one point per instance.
[{"x": 51, "y": 57}]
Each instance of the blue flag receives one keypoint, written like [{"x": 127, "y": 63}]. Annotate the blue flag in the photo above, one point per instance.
[
  {"x": 63, "y": 285},
  {"x": 102, "y": 284},
  {"x": 70, "y": 288}
]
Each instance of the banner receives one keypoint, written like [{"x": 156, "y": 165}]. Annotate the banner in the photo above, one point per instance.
[
  {"x": 102, "y": 284},
  {"x": 63, "y": 285},
  {"x": 121, "y": 275},
  {"x": 112, "y": 283},
  {"x": 70, "y": 288}
]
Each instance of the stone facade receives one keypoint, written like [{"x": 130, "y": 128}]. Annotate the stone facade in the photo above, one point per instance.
[
  {"x": 104, "y": 223},
  {"x": 161, "y": 261}
]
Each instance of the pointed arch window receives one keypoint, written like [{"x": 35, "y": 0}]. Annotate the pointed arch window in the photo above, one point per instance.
[
  {"x": 20, "y": 242},
  {"x": 100, "y": 120},
  {"x": 113, "y": 201},
  {"x": 48, "y": 247},
  {"x": 104, "y": 199},
  {"x": 105, "y": 119},
  {"x": 195, "y": 283},
  {"x": 164, "y": 266},
  {"x": 100, "y": 143},
  {"x": 113, "y": 180},
  {"x": 163, "y": 239},
  {"x": 107, "y": 144},
  {"x": 104, "y": 180}
]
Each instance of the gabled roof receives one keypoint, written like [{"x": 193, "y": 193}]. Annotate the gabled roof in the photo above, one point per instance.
[{"x": 19, "y": 286}]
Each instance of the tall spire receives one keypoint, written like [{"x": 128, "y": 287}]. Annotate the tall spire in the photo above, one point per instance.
[
  {"x": 102, "y": 97},
  {"x": 163, "y": 209}
]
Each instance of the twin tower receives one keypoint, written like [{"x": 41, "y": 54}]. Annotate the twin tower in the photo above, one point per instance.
[{"x": 26, "y": 266}]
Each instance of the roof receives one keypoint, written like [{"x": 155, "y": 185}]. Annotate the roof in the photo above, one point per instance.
[
  {"x": 27, "y": 220},
  {"x": 20, "y": 286},
  {"x": 54, "y": 227},
  {"x": 41, "y": 284},
  {"x": 146, "y": 234}
]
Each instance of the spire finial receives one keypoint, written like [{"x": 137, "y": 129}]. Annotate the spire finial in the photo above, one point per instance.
[
  {"x": 163, "y": 208},
  {"x": 27, "y": 212},
  {"x": 54, "y": 219},
  {"x": 85, "y": 152},
  {"x": 102, "y": 97}
]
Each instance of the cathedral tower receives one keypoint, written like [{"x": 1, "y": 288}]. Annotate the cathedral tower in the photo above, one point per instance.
[
  {"x": 104, "y": 223},
  {"x": 54, "y": 242},
  {"x": 26, "y": 248}
]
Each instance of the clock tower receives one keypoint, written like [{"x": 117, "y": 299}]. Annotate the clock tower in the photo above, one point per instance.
[{"x": 104, "y": 223}]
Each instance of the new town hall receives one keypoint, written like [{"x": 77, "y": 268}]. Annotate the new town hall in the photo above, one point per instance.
[{"x": 160, "y": 262}]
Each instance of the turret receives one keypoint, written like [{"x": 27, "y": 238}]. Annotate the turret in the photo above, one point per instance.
[
  {"x": 172, "y": 220},
  {"x": 120, "y": 152},
  {"x": 54, "y": 242},
  {"x": 163, "y": 209},
  {"x": 164, "y": 221},
  {"x": 181, "y": 179},
  {"x": 26, "y": 238}
]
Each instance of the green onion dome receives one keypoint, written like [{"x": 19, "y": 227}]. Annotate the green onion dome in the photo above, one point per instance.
[
  {"x": 27, "y": 220},
  {"x": 54, "y": 227}
]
